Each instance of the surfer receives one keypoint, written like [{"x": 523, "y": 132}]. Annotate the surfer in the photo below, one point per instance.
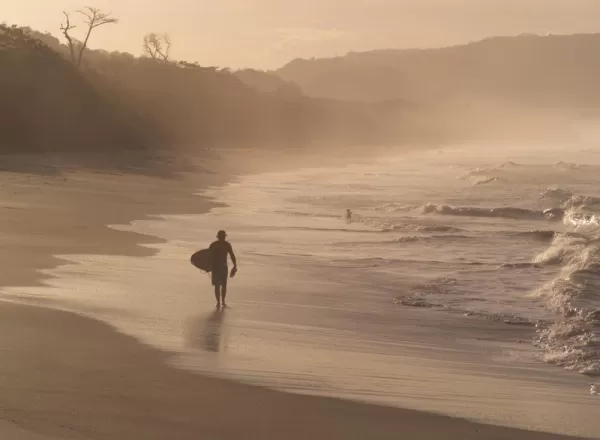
[
  {"x": 220, "y": 249},
  {"x": 348, "y": 216}
]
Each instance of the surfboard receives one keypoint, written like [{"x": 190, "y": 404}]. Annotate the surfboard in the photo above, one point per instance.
[{"x": 202, "y": 260}]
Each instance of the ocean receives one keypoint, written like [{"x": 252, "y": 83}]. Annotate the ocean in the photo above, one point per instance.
[{"x": 468, "y": 278}]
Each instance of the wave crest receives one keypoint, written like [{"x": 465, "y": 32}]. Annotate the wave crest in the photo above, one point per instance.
[
  {"x": 574, "y": 341},
  {"x": 504, "y": 212}
]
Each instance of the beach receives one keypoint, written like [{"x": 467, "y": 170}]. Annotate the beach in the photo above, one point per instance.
[
  {"x": 177, "y": 369},
  {"x": 69, "y": 377}
]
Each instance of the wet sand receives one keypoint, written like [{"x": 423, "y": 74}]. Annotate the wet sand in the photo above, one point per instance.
[
  {"x": 65, "y": 376},
  {"x": 74, "y": 378}
]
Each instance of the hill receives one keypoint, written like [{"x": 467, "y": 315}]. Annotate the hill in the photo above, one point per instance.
[
  {"x": 48, "y": 106},
  {"x": 268, "y": 82},
  {"x": 521, "y": 88},
  {"x": 120, "y": 101},
  {"x": 528, "y": 70}
]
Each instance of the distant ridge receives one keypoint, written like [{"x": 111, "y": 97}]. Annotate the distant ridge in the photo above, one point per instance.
[{"x": 558, "y": 71}]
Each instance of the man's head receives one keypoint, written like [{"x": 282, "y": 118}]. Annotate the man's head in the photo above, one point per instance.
[{"x": 221, "y": 235}]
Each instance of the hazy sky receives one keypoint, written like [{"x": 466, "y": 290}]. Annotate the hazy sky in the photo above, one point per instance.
[{"x": 269, "y": 33}]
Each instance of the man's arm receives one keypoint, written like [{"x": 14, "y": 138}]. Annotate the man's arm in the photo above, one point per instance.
[{"x": 232, "y": 255}]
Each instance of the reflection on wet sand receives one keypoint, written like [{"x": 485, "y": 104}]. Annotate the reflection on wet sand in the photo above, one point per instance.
[{"x": 205, "y": 332}]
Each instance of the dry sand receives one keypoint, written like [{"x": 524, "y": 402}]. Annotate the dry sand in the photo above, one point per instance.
[{"x": 64, "y": 376}]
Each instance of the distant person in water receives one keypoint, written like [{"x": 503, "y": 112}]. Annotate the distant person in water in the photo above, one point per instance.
[
  {"x": 348, "y": 216},
  {"x": 220, "y": 249}
]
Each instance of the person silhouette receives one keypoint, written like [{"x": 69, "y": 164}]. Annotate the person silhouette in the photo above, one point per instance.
[{"x": 220, "y": 249}]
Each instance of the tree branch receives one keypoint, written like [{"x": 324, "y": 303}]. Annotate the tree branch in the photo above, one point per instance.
[
  {"x": 94, "y": 18},
  {"x": 158, "y": 46},
  {"x": 168, "y": 43},
  {"x": 65, "y": 28},
  {"x": 151, "y": 45}
]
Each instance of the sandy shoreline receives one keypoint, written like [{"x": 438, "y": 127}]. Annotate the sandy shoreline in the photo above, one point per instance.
[{"x": 72, "y": 377}]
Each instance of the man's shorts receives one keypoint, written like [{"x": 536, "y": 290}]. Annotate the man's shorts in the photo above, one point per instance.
[{"x": 219, "y": 276}]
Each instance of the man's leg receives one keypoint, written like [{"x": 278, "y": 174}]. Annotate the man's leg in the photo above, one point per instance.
[
  {"x": 223, "y": 294},
  {"x": 217, "y": 288}
]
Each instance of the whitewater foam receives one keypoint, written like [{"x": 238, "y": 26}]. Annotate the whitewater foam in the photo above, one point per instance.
[
  {"x": 503, "y": 212},
  {"x": 485, "y": 180},
  {"x": 574, "y": 341}
]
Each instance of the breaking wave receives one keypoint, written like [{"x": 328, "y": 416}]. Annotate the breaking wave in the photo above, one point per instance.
[
  {"x": 557, "y": 194},
  {"x": 541, "y": 235},
  {"x": 407, "y": 239},
  {"x": 426, "y": 228},
  {"x": 567, "y": 165},
  {"x": 574, "y": 340},
  {"x": 394, "y": 207},
  {"x": 485, "y": 180},
  {"x": 505, "y": 212}
]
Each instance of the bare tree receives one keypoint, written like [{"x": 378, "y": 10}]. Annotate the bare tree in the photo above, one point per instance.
[
  {"x": 66, "y": 28},
  {"x": 93, "y": 18},
  {"x": 158, "y": 47}
]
